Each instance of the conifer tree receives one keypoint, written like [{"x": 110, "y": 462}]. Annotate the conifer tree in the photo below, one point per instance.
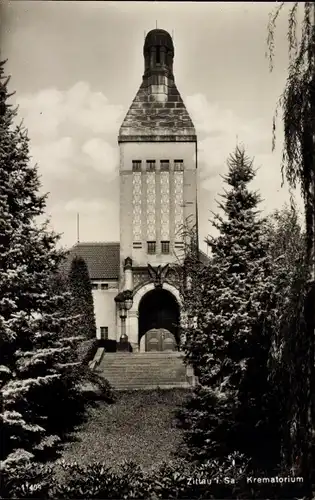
[
  {"x": 82, "y": 307},
  {"x": 230, "y": 341},
  {"x": 33, "y": 358}
]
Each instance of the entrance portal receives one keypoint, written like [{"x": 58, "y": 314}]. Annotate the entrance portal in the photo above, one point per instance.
[{"x": 159, "y": 316}]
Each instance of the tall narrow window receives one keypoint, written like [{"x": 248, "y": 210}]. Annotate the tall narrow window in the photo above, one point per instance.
[
  {"x": 104, "y": 332},
  {"x": 178, "y": 165},
  {"x": 151, "y": 247},
  {"x": 150, "y": 165},
  {"x": 158, "y": 55},
  {"x": 165, "y": 246},
  {"x": 165, "y": 165},
  {"x": 136, "y": 165}
]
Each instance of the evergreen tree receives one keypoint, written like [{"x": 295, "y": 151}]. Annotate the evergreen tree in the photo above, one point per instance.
[
  {"x": 33, "y": 358},
  {"x": 230, "y": 340},
  {"x": 82, "y": 307}
]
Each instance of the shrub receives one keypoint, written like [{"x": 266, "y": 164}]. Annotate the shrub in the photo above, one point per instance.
[
  {"x": 172, "y": 480},
  {"x": 87, "y": 350}
]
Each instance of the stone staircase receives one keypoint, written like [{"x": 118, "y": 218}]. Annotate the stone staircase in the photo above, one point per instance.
[{"x": 132, "y": 371}]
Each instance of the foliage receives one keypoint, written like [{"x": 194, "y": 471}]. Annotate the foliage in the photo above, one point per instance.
[
  {"x": 297, "y": 99},
  {"x": 188, "y": 277},
  {"x": 171, "y": 480},
  {"x": 86, "y": 350},
  {"x": 287, "y": 359},
  {"x": 82, "y": 307},
  {"x": 286, "y": 247},
  {"x": 298, "y": 106},
  {"x": 230, "y": 340},
  {"x": 37, "y": 385}
]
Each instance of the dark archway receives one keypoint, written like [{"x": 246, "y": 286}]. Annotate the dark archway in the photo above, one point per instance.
[{"x": 159, "y": 317}]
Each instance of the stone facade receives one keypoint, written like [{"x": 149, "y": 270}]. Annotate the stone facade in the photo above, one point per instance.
[
  {"x": 158, "y": 193},
  {"x": 158, "y": 179}
]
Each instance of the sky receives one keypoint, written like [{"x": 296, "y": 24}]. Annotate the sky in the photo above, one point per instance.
[{"x": 76, "y": 67}]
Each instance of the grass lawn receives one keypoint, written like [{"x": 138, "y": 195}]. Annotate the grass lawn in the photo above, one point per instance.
[{"x": 139, "y": 426}]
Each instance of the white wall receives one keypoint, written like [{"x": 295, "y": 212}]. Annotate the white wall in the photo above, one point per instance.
[{"x": 105, "y": 309}]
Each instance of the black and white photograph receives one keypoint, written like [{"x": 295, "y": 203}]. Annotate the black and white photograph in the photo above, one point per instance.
[{"x": 157, "y": 250}]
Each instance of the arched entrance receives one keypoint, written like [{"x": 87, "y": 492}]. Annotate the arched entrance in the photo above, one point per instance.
[{"x": 159, "y": 318}]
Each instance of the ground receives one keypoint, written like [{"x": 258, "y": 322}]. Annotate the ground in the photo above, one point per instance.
[{"x": 139, "y": 426}]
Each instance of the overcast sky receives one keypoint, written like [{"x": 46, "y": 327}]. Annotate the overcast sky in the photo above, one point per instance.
[{"x": 76, "y": 67}]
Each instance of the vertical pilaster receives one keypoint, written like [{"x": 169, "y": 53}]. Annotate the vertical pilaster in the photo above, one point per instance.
[
  {"x": 158, "y": 210},
  {"x": 172, "y": 210},
  {"x": 144, "y": 208}
]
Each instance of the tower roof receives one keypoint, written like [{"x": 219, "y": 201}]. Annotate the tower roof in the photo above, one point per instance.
[
  {"x": 158, "y": 37},
  {"x": 157, "y": 112}
]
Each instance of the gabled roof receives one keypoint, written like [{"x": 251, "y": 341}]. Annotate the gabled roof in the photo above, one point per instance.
[
  {"x": 102, "y": 259},
  {"x": 149, "y": 119}
]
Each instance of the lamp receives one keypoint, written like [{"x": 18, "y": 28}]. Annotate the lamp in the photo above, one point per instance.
[
  {"x": 124, "y": 301},
  {"x": 128, "y": 299}
]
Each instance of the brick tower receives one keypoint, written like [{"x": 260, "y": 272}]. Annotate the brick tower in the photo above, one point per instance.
[{"x": 158, "y": 192}]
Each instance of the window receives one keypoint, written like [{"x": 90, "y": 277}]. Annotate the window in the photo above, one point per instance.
[
  {"x": 179, "y": 244},
  {"x": 165, "y": 165},
  {"x": 151, "y": 247},
  {"x": 165, "y": 246},
  {"x": 104, "y": 332},
  {"x": 151, "y": 165},
  {"x": 137, "y": 244},
  {"x": 94, "y": 286},
  {"x": 178, "y": 165},
  {"x": 104, "y": 286},
  {"x": 158, "y": 55},
  {"x": 136, "y": 165}
]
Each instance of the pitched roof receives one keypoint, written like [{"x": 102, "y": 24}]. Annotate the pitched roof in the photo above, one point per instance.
[
  {"x": 149, "y": 119},
  {"x": 102, "y": 259}
]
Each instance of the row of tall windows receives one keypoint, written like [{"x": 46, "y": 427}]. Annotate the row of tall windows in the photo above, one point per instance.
[
  {"x": 151, "y": 165},
  {"x": 151, "y": 246}
]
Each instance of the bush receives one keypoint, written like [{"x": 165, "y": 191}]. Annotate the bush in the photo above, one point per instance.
[
  {"x": 28, "y": 481},
  {"x": 173, "y": 480},
  {"x": 87, "y": 350}
]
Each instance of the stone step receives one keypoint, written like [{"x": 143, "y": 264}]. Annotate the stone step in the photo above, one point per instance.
[
  {"x": 170, "y": 362},
  {"x": 147, "y": 387},
  {"x": 117, "y": 377},
  {"x": 143, "y": 361},
  {"x": 135, "y": 371},
  {"x": 142, "y": 357},
  {"x": 147, "y": 368},
  {"x": 142, "y": 375}
]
